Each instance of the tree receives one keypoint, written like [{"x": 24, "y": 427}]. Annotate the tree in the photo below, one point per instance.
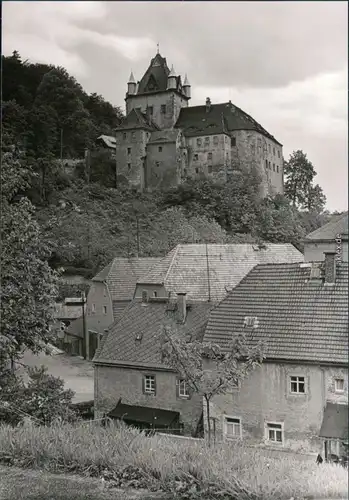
[
  {"x": 316, "y": 200},
  {"x": 206, "y": 368},
  {"x": 43, "y": 398},
  {"x": 28, "y": 285},
  {"x": 299, "y": 173}
]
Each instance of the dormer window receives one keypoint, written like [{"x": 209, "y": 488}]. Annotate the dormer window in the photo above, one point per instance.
[{"x": 160, "y": 149}]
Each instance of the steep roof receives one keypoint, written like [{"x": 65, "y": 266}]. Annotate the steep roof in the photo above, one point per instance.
[
  {"x": 185, "y": 268},
  {"x": 300, "y": 319},
  {"x": 121, "y": 275},
  {"x": 120, "y": 346},
  {"x": 338, "y": 225},
  {"x": 164, "y": 136},
  {"x": 197, "y": 121},
  {"x": 137, "y": 120}
]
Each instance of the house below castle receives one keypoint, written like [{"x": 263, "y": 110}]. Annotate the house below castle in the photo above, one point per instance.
[{"x": 162, "y": 140}]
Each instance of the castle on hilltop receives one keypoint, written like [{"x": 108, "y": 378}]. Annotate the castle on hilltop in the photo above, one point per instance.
[{"x": 162, "y": 140}]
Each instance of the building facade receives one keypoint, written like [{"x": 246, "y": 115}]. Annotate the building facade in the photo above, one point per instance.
[
  {"x": 162, "y": 140},
  {"x": 332, "y": 237}
]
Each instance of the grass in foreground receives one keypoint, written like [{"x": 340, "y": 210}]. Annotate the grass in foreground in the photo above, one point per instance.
[{"x": 162, "y": 462}]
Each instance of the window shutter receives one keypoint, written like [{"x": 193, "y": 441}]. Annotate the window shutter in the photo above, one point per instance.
[
  {"x": 177, "y": 387},
  {"x": 154, "y": 385},
  {"x": 143, "y": 384}
]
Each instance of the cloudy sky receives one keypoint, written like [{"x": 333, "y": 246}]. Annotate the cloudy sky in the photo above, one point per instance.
[{"x": 285, "y": 63}]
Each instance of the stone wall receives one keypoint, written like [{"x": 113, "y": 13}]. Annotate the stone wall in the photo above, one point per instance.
[
  {"x": 112, "y": 383},
  {"x": 130, "y": 154},
  {"x": 171, "y": 100},
  {"x": 210, "y": 157},
  {"x": 265, "y": 397},
  {"x": 162, "y": 165}
]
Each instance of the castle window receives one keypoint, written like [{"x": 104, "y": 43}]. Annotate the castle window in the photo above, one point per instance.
[
  {"x": 124, "y": 135},
  {"x": 198, "y": 142},
  {"x": 274, "y": 151},
  {"x": 266, "y": 163},
  {"x": 209, "y": 156},
  {"x": 269, "y": 147},
  {"x": 277, "y": 168},
  {"x": 129, "y": 166},
  {"x": 215, "y": 140},
  {"x": 233, "y": 141},
  {"x": 197, "y": 170},
  {"x": 196, "y": 157},
  {"x": 128, "y": 151},
  {"x": 160, "y": 149},
  {"x": 185, "y": 172},
  {"x": 157, "y": 164},
  {"x": 274, "y": 167},
  {"x": 163, "y": 108},
  {"x": 207, "y": 140},
  {"x": 278, "y": 154},
  {"x": 133, "y": 135},
  {"x": 209, "y": 169},
  {"x": 269, "y": 165}
]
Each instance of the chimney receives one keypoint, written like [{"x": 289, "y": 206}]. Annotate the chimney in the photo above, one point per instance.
[
  {"x": 330, "y": 267},
  {"x": 208, "y": 104},
  {"x": 182, "y": 306}
]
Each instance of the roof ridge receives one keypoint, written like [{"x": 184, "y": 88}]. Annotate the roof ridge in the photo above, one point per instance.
[{"x": 172, "y": 261}]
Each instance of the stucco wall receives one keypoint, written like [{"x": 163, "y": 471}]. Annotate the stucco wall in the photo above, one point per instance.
[
  {"x": 315, "y": 251},
  {"x": 171, "y": 100},
  {"x": 265, "y": 397},
  {"x": 130, "y": 154},
  {"x": 96, "y": 318},
  {"x": 162, "y": 165},
  {"x": 111, "y": 383}
]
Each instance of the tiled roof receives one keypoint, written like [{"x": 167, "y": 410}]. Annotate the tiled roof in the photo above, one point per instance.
[
  {"x": 108, "y": 140},
  {"x": 338, "y": 225},
  {"x": 335, "y": 422},
  {"x": 300, "y": 319},
  {"x": 163, "y": 136},
  {"x": 137, "y": 120},
  {"x": 120, "y": 344},
  {"x": 185, "y": 268},
  {"x": 121, "y": 275},
  {"x": 155, "y": 79},
  {"x": 196, "y": 121}
]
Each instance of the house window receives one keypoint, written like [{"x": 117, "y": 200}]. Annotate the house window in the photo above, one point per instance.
[
  {"x": 93, "y": 308},
  {"x": 197, "y": 170},
  {"x": 157, "y": 163},
  {"x": 182, "y": 388},
  {"x": 104, "y": 309},
  {"x": 198, "y": 142},
  {"x": 124, "y": 135},
  {"x": 274, "y": 433},
  {"x": 274, "y": 167},
  {"x": 209, "y": 156},
  {"x": 339, "y": 385},
  {"x": 297, "y": 385},
  {"x": 133, "y": 135},
  {"x": 163, "y": 108},
  {"x": 233, "y": 141},
  {"x": 150, "y": 110},
  {"x": 129, "y": 166},
  {"x": 149, "y": 384},
  {"x": 269, "y": 147},
  {"x": 160, "y": 149},
  {"x": 232, "y": 427},
  {"x": 215, "y": 140},
  {"x": 269, "y": 165},
  {"x": 278, "y": 154},
  {"x": 155, "y": 294},
  {"x": 274, "y": 151},
  {"x": 196, "y": 157},
  {"x": 128, "y": 151},
  {"x": 277, "y": 168},
  {"x": 207, "y": 140},
  {"x": 209, "y": 169}
]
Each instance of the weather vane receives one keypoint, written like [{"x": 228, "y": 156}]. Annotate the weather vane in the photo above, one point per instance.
[{"x": 158, "y": 47}]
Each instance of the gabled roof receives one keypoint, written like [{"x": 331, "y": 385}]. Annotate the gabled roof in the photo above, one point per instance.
[
  {"x": 120, "y": 346},
  {"x": 164, "y": 136},
  {"x": 197, "y": 121},
  {"x": 185, "y": 268},
  {"x": 338, "y": 225},
  {"x": 121, "y": 275},
  {"x": 300, "y": 319},
  {"x": 108, "y": 140},
  {"x": 137, "y": 120}
]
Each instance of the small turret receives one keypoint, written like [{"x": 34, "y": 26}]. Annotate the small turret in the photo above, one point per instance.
[
  {"x": 187, "y": 87},
  {"x": 172, "y": 79},
  {"x": 131, "y": 85}
]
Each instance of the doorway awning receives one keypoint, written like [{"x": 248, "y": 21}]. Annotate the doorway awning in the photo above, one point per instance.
[
  {"x": 142, "y": 414},
  {"x": 335, "y": 422}
]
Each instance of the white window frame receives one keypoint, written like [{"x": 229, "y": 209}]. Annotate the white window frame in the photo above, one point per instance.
[
  {"x": 105, "y": 310},
  {"x": 182, "y": 384},
  {"x": 149, "y": 388},
  {"x": 238, "y": 423},
  {"x": 298, "y": 382},
  {"x": 269, "y": 426},
  {"x": 336, "y": 389}
]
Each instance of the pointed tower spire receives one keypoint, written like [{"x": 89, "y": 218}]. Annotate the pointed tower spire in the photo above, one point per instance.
[
  {"x": 131, "y": 85},
  {"x": 187, "y": 87},
  {"x": 172, "y": 72},
  {"x": 132, "y": 78}
]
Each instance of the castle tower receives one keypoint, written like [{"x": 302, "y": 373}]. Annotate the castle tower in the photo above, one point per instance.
[
  {"x": 131, "y": 85},
  {"x": 159, "y": 93},
  {"x": 187, "y": 87}
]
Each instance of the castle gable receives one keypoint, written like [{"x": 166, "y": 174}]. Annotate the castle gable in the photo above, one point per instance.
[
  {"x": 155, "y": 78},
  {"x": 137, "y": 120}
]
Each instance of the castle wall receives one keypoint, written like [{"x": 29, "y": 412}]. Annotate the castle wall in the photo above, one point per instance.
[
  {"x": 163, "y": 118},
  {"x": 163, "y": 167},
  {"x": 130, "y": 154}
]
